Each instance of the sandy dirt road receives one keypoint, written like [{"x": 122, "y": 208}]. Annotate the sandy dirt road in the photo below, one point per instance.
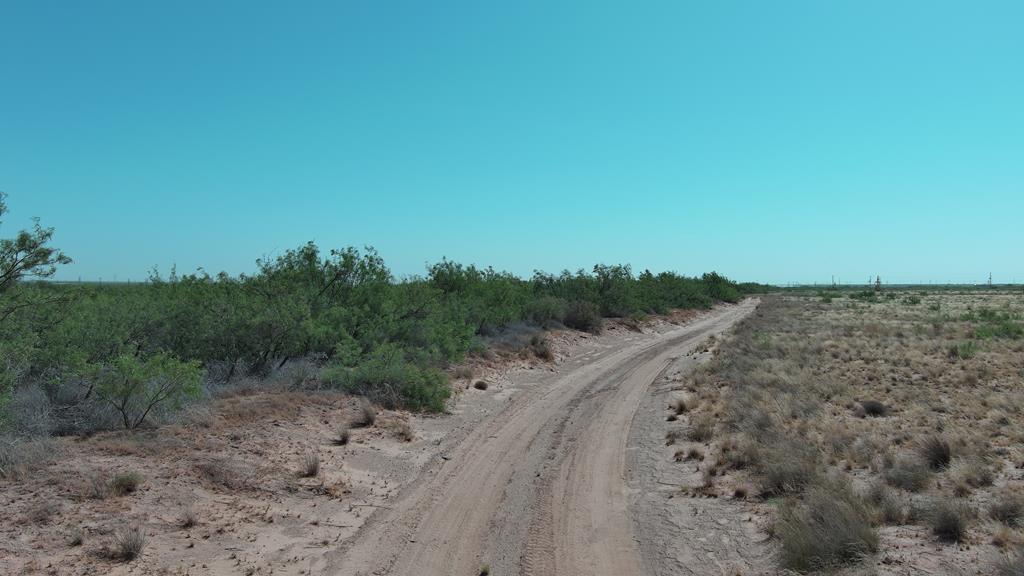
[{"x": 543, "y": 487}]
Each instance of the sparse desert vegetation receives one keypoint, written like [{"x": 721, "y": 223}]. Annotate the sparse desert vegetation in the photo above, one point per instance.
[{"x": 882, "y": 429}]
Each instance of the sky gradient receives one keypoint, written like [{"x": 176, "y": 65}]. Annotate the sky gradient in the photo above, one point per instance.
[{"x": 771, "y": 141}]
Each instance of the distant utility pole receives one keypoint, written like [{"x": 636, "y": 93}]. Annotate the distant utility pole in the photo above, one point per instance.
[
  {"x": 878, "y": 283},
  {"x": 989, "y": 279}
]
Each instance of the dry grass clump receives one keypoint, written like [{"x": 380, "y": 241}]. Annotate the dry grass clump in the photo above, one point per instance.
[
  {"x": 948, "y": 519},
  {"x": 701, "y": 431},
  {"x": 310, "y": 466},
  {"x": 679, "y": 406},
  {"x": 343, "y": 436},
  {"x": 786, "y": 469},
  {"x": 739, "y": 453},
  {"x": 1008, "y": 509},
  {"x": 463, "y": 372},
  {"x": 223, "y": 472},
  {"x": 691, "y": 453},
  {"x": 874, "y": 408},
  {"x": 970, "y": 473},
  {"x": 129, "y": 542},
  {"x": 19, "y": 457},
  {"x": 1011, "y": 564},
  {"x": 829, "y": 527},
  {"x": 42, "y": 512},
  {"x": 366, "y": 416},
  {"x": 889, "y": 509},
  {"x": 125, "y": 483},
  {"x": 936, "y": 452},
  {"x": 909, "y": 474},
  {"x": 188, "y": 518}
]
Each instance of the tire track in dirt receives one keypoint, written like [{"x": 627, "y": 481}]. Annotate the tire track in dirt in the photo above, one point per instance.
[{"x": 541, "y": 488}]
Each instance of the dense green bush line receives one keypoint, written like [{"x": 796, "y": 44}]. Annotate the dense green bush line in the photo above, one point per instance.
[{"x": 118, "y": 345}]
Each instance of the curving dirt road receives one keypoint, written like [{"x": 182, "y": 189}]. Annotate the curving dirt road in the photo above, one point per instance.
[{"x": 542, "y": 488}]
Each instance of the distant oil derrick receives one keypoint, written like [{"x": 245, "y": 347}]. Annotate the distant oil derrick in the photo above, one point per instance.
[{"x": 878, "y": 283}]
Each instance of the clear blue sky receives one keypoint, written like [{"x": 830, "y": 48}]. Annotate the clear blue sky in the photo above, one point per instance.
[{"x": 771, "y": 141}]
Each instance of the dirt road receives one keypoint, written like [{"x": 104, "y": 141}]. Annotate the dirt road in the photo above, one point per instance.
[{"x": 543, "y": 487}]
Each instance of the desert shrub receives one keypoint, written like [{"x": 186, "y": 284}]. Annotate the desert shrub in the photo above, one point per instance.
[
  {"x": 20, "y": 456},
  {"x": 741, "y": 454},
  {"x": 1002, "y": 328},
  {"x": 310, "y": 464},
  {"x": 463, "y": 372},
  {"x": 188, "y": 517},
  {"x": 969, "y": 473},
  {"x": 387, "y": 378},
  {"x": 224, "y": 473},
  {"x": 403, "y": 431},
  {"x": 936, "y": 452},
  {"x": 679, "y": 406},
  {"x": 1011, "y": 565},
  {"x": 702, "y": 430},
  {"x": 786, "y": 468},
  {"x": 129, "y": 542},
  {"x": 909, "y": 474},
  {"x": 125, "y": 483},
  {"x": 964, "y": 350},
  {"x": 29, "y": 412},
  {"x": 888, "y": 507},
  {"x": 342, "y": 437},
  {"x": 366, "y": 415},
  {"x": 541, "y": 348},
  {"x": 545, "y": 311},
  {"x": 135, "y": 387},
  {"x": 1007, "y": 509},
  {"x": 874, "y": 408},
  {"x": 583, "y": 316},
  {"x": 948, "y": 519},
  {"x": 829, "y": 528}
]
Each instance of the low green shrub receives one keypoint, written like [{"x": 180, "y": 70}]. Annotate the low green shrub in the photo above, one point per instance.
[
  {"x": 388, "y": 379},
  {"x": 584, "y": 316}
]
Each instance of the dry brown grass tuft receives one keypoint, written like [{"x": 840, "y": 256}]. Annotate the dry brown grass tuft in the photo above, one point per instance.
[
  {"x": 129, "y": 542},
  {"x": 310, "y": 464},
  {"x": 224, "y": 473},
  {"x": 366, "y": 416},
  {"x": 936, "y": 452},
  {"x": 948, "y": 519},
  {"x": 188, "y": 517},
  {"x": 910, "y": 474},
  {"x": 829, "y": 528},
  {"x": 343, "y": 436},
  {"x": 874, "y": 408},
  {"x": 125, "y": 483},
  {"x": 1011, "y": 565},
  {"x": 1008, "y": 509}
]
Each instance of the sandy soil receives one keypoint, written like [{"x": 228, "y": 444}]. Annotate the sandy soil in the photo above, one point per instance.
[{"x": 550, "y": 470}]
